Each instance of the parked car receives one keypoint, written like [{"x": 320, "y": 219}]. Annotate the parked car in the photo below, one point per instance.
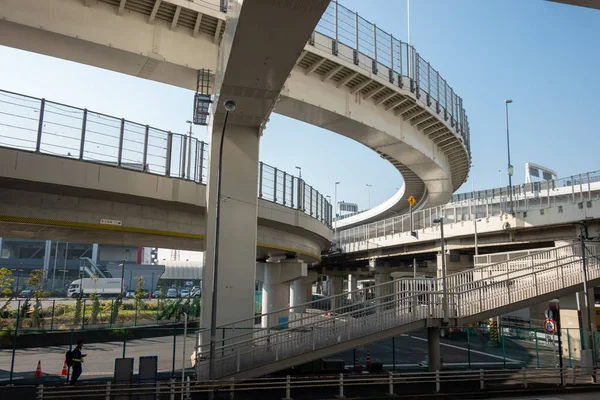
[
  {"x": 130, "y": 294},
  {"x": 172, "y": 293},
  {"x": 196, "y": 291},
  {"x": 184, "y": 293},
  {"x": 157, "y": 293},
  {"x": 26, "y": 293}
]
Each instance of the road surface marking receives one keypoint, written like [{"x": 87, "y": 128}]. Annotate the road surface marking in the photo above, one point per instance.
[{"x": 463, "y": 349}]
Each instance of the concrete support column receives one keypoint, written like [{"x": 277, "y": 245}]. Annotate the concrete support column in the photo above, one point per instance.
[
  {"x": 381, "y": 292},
  {"x": 47, "y": 251},
  {"x": 433, "y": 349},
  {"x": 237, "y": 237},
  {"x": 352, "y": 286},
  {"x": 95, "y": 253},
  {"x": 336, "y": 287},
  {"x": 298, "y": 294},
  {"x": 274, "y": 295}
]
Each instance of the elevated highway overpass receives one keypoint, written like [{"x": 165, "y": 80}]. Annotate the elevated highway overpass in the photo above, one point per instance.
[
  {"x": 88, "y": 177},
  {"x": 351, "y": 77}
]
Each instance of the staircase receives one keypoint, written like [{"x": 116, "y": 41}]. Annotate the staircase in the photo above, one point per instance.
[{"x": 244, "y": 349}]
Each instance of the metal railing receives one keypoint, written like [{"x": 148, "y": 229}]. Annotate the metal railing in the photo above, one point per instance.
[
  {"x": 380, "y": 385},
  {"x": 290, "y": 332},
  {"x": 380, "y": 53},
  {"x": 42, "y": 126},
  {"x": 528, "y": 197}
]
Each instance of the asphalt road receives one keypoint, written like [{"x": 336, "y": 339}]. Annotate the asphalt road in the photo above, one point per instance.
[{"x": 407, "y": 352}]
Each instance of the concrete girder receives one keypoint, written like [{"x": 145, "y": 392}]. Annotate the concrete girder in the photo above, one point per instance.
[
  {"x": 121, "y": 7},
  {"x": 347, "y": 79},
  {"x": 175, "y": 18},
  {"x": 197, "y": 25},
  {"x": 385, "y": 98},
  {"x": 421, "y": 119},
  {"x": 407, "y": 108},
  {"x": 417, "y": 114},
  {"x": 154, "y": 11},
  {"x": 360, "y": 86},
  {"x": 332, "y": 73},
  {"x": 217, "y": 31},
  {"x": 373, "y": 92},
  {"x": 397, "y": 103},
  {"x": 430, "y": 124},
  {"x": 315, "y": 66}
]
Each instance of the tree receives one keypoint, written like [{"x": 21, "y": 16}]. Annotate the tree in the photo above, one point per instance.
[
  {"x": 139, "y": 290},
  {"x": 6, "y": 282},
  {"x": 36, "y": 282},
  {"x": 77, "y": 315},
  {"x": 95, "y": 309}
]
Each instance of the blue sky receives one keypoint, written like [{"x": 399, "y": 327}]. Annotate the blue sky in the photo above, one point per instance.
[{"x": 542, "y": 55}]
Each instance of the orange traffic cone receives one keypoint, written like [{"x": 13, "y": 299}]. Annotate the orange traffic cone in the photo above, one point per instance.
[
  {"x": 38, "y": 370},
  {"x": 64, "y": 371},
  {"x": 356, "y": 365},
  {"x": 368, "y": 364}
]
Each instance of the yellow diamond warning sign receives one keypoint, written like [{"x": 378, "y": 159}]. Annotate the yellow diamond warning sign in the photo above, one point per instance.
[{"x": 411, "y": 201}]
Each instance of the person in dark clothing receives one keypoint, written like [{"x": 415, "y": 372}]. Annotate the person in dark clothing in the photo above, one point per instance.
[{"x": 77, "y": 362}]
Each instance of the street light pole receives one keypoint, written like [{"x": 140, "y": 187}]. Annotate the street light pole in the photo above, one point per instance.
[
  {"x": 189, "y": 150},
  {"x": 582, "y": 236},
  {"x": 510, "y": 167},
  {"x": 369, "y": 186},
  {"x": 122, "y": 278},
  {"x": 445, "y": 289},
  {"x": 229, "y": 106},
  {"x": 335, "y": 210}
]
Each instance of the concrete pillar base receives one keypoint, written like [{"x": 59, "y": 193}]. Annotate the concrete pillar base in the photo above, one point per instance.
[{"x": 434, "y": 360}]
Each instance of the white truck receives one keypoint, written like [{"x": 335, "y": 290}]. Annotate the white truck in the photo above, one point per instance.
[{"x": 103, "y": 287}]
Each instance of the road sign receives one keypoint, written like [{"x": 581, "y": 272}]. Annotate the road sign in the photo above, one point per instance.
[
  {"x": 549, "y": 325},
  {"x": 411, "y": 200},
  {"x": 104, "y": 221},
  {"x": 548, "y": 314}
]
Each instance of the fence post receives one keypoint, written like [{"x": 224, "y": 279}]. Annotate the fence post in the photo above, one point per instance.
[
  {"x": 391, "y": 383},
  {"x": 107, "y": 390},
  {"x": 112, "y": 307},
  {"x": 174, "y": 345},
  {"x": 481, "y": 380},
  {"x": 82, "y": 140},
  {"x": 469, "y": 346},
  {"x": 168, "y": 155},
  {"x": 52, "y": 319},
  {"x": 137, "y": 305},
  {"x": 288, "y": 388},
  {"x": 83, "y": 316},
  {"x": 40, "y": 392},
  {"x": 537, "y": 352},
  {"x": 121, "y": 136},
  {"x": 260, "y": 179},
  {"x": 14, "y": 350},
  {"x": 574, "y": 376},
  {"x": 124, "y": 341},
  {"x": 232, "y": 389},
  {"x": 145, "y": 156},
  {"x": 524, "y": 378},
  {"x": 38, "y": 143},
  {"x": 172, "y": 396}
]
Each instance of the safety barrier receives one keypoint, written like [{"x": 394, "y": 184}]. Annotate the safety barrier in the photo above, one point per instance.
[{"x": 42, "y": 126}]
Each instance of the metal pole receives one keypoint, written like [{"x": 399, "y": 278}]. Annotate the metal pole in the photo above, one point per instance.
[
  {"x": 12, "y": 362},
  {"x": 445, "y": 288},
  {"x": 476, "y": 248},
  {"x": 414, "y": 268},
  {"x": 506, "y": 102},
  {"x": 54, "y": 271},
  {"x": 65, "y": 265},
  {"x": 213, "y": 313},
  {"x": 590, "y": 343},
  {"x": 122, "y": 279},
  {"x": 189, "y": 152},
  {"x": 185, "y": 321}
]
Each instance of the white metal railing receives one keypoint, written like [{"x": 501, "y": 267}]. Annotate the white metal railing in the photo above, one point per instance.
[
  {"x": 585, "y": 187},
  {"x": 244, "y": 345},
  {"x": 390, "y": 383}
]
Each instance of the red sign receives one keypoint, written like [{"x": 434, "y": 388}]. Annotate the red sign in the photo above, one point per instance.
[{"x": 549, "y": 326}]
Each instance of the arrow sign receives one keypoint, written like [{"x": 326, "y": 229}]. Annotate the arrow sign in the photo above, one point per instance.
[
  {"x": 548, "y": 314},
  {"x": 549, "y": 326},
  {"x": 411, "y": 200}
]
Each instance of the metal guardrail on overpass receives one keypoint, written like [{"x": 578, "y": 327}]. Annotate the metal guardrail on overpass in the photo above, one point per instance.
[
  {"x": 42, "y": 126},
  {"x": 538, "y": 195}
]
